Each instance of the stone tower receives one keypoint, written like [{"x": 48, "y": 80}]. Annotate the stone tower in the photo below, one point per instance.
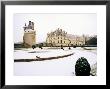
[{"x": 29, "y": 37}]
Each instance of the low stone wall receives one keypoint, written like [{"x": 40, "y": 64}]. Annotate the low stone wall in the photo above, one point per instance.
[{"x": 41, "y": 59}]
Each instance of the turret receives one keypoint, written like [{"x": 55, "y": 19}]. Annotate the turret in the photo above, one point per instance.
[
  {"x": 32, "y": 25},
  {"x": 25, "y": 27},
  {"x": 29, "y": 37}
]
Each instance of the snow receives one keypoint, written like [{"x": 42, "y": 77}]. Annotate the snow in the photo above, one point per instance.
[
  {"x": 56, "y": 67},
  {"x": 30, "y": 53}
]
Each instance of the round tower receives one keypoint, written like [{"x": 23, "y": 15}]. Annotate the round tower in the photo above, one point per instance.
[{"x": 29, "y": 37}]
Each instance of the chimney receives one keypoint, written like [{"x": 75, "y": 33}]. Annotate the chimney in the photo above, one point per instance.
[{"x": 29, "y": 22}]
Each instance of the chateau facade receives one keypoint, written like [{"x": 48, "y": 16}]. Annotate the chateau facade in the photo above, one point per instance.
[
  {"x": 60, "y": 37},
  {"x": 29, "y": 37}
]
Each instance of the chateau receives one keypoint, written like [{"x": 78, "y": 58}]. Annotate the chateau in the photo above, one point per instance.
[
  {"x": 29, "y": 37},
  {"x": 55, "y": 38},
  {"x": 60, "y": 37}
]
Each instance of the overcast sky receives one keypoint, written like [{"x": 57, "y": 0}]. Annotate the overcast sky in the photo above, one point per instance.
[{"x": 76, "y": 24}]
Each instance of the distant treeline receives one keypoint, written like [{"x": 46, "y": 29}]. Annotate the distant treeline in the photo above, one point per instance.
[
  {"x": 42, "y": 45},
  {"x": 18, "y": 45},
  {"x": 92, "y": 41}
]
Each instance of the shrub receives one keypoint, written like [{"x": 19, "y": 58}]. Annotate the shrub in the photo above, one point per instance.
[
  {"x": 33, "y": 46},
  {"x": 62, "y": 47},
  {"x": 82, "y": 67},
  {"x": 69, "y": 48},
  {"x": 40, "y": 46},
  {"x": 74, "y": 46}
]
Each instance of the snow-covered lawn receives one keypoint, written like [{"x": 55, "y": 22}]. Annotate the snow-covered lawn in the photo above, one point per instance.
[
  {"x": 56, "y": 67},
  {"x": 32, "y": 53}
]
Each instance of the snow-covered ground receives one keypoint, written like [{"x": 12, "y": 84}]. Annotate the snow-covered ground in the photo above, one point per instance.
[{"x": 56, "y": 67}]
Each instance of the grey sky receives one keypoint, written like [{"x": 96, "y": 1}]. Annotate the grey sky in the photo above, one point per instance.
[{"x": 76, "y": 24}]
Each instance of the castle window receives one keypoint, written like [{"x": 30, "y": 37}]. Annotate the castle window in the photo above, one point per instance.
[
  {"x": 58, "y": 41},
  {"x": 64, "y": 41},
  {"x": 61, "y": 41},
  {"x": 58, "y": 37}
]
